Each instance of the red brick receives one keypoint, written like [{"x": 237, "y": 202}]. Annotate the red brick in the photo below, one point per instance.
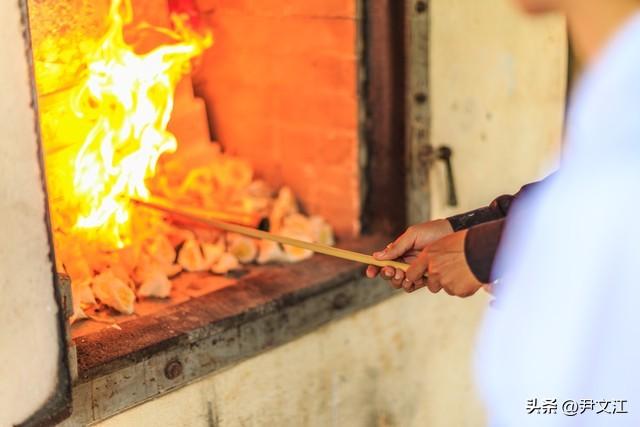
[
  {"x": 290, "y": 35},
  {"x": 282, "y": 91},
  {"x": 316, "y": 8},
  {"x": 321, "y": 145}
]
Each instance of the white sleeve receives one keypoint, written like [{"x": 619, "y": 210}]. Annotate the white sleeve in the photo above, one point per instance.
[{"x": 566, "y": 325}]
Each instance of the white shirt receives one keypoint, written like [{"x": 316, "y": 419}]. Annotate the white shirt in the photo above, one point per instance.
[{"x": 566, "y": 324}]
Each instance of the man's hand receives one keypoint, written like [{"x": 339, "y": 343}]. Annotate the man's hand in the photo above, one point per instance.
[
  {"x": 443, "y": 259},
  {"x": 406, "y": 248},
  {"x": 446, "y": 264}
]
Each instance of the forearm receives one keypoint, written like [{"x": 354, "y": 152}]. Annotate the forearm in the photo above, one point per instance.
[
  {"x": 481, "y": 246},
  {"x": 485, "y": 227},
  {"x": 498, "y": 209}
]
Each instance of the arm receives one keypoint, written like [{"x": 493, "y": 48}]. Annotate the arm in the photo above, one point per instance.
[
  {"x": 460, "y": 249},
  {"x": 485, "y": 227},
  {"x": 481, "y": 246},
  {"x": 498, "y": 209}
]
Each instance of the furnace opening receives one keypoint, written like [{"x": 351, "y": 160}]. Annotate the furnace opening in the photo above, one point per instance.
[{"x": 130, "y": 94}]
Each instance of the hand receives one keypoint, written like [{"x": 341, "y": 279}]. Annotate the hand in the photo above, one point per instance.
[
  {"x": 446, "y": 263},
  {"x": 406, "y": 248}
]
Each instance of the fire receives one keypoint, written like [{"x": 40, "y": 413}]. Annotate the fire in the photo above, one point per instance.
[
  {"x": 128, "y": 98},
  {"x": 104, "y": 112}
]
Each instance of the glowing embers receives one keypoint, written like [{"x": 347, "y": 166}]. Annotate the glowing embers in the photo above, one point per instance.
[{"x": 162, "y": 250}]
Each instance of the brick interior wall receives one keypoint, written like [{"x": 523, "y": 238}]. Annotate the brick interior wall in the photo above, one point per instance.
[
  {"x": 280, "y": 88},
  {"x": 280, "y": 84}
]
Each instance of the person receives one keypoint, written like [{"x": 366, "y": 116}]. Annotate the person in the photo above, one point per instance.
[{"x": 561, "y": 344}]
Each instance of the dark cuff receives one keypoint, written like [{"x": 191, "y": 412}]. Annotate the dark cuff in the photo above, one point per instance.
[
  {"x": 496, "y": 210},
  {"x": 480, "y": 248}
]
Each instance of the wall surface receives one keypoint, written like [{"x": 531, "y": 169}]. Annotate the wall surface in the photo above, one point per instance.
[
  {"x": 281, "y": 86},
  {"x": 497, "y": 97},
  {"x": 30, "y": 338},
  {"x": 405, "y": 362}
]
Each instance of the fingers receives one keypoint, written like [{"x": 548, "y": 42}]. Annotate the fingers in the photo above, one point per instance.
[
  {"x": 410, "y": 281},
  {"x": 413, "y": 279},
  {"x": 397, "y": 279},
  {"x": 444, "y": 260},
  {"x": 410, "y": 286},
  {"x": 433, "y": 283},
  {"x": 398, "y": 247},
  {"x": 449, "y": 291},
  {"x": 372, "y": 271},
  {"x": 418, "y": 267},
  {"x": 387, "y": 273}
]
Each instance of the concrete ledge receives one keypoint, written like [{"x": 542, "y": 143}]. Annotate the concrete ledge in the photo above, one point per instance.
[{"x": 268, "y": 307}]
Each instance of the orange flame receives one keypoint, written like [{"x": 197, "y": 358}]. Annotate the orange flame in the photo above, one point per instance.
[{"x": 129, "y": 99}]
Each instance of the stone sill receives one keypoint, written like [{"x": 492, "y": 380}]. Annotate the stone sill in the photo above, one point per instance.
[{"x": 268, "y": 307}]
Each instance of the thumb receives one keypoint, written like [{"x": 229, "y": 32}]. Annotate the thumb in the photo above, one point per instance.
[{"x": 398, "y": 247}]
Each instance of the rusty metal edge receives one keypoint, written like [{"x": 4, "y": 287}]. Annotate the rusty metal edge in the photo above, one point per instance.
[
  {"x": 102, "y": 392},
  {"x": 418, "y": 105},
  {"x": 383, "y": 122}
]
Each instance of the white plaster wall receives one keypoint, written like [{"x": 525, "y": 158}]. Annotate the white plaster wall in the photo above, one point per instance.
[
  {"x": 28, "y": 311},
  {"x": 405, "y": 362},
  {"x": 498, "y": 89}
]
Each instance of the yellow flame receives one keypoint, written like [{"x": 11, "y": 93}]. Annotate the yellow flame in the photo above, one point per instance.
[{"x": 129, "y": 98}]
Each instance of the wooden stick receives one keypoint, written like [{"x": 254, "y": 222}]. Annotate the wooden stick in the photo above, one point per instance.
[
  {"x": 247, "y": 219},
  {"x": 196, "y": 215}
]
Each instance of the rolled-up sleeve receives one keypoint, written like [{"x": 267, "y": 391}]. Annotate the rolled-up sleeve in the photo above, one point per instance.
[
  {"x": 498, "y": 209},
  {"x": 480, "y": 248},
  {"x": 485, "y": 227}
]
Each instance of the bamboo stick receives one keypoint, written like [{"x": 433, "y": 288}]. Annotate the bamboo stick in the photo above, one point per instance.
[
  {"x": 246, "y": 219},
  {"x": 197, "y": 215}
]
